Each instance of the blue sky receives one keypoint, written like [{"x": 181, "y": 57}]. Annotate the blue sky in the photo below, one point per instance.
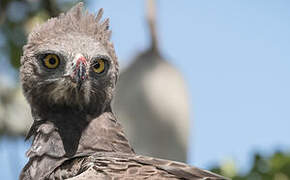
[{"x": 235, "y": 58}]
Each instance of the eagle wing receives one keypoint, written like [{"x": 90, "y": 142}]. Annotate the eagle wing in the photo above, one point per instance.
[{"x": 132, "y": 166}]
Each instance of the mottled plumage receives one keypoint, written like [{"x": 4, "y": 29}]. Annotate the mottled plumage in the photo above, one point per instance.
[{"x": 68, "y": 72}]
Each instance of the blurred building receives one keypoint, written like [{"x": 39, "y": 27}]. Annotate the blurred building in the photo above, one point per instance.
[{"x": 152, "y": 103}]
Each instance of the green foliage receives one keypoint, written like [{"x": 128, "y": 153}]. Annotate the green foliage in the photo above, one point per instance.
[{"x": 275, "y": 167}]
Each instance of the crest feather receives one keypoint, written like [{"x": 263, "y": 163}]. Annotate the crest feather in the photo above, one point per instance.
[
  {"x": 99, "y": 15},
  {"x": 74, "y": 21}
]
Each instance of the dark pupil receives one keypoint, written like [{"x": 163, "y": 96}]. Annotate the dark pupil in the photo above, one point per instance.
[
  {"x": 97, "y": 65},
  {"x": 52, "y": 60}
]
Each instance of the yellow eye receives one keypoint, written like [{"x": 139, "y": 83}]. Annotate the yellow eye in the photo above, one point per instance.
[
  {"x": 51, "y": 61},
  {"x": 99, "y": 66}
]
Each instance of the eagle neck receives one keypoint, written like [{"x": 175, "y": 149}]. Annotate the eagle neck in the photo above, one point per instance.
[{"x": 74, "y": 132}]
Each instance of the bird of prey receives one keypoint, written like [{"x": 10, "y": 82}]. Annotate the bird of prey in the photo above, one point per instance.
[
  {"x": 154, "y": 110},
  {"x": 68, "y": 72}
]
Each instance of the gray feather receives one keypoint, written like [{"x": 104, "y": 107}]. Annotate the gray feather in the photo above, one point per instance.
[{"x": 75, "y": 131}]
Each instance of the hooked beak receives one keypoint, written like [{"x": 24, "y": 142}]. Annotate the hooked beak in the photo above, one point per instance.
[{"x": 79, "y": 71}]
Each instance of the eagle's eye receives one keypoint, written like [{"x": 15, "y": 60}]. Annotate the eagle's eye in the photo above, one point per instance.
[
  {"x": 99, "y": 66},
  {"x": 51, "y": 61}
]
